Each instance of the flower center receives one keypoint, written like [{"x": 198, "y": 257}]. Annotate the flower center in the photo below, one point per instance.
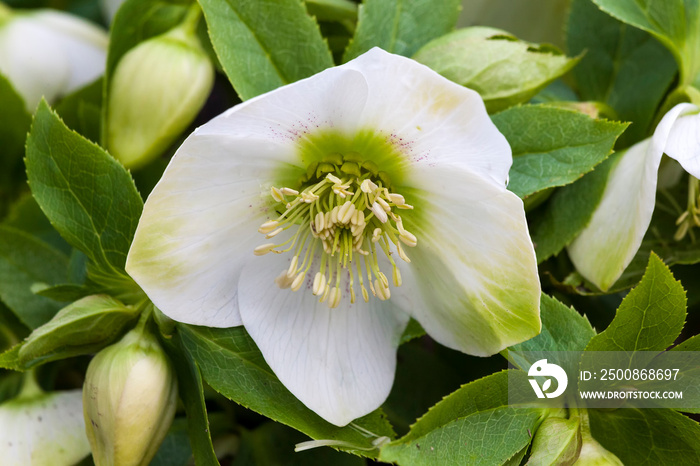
[{"x": 346, "y": 208}]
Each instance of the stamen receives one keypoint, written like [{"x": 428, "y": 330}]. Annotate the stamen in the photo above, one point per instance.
[
  {"x": 348, "y": 224},
  {"x": 264, "y": 249}
]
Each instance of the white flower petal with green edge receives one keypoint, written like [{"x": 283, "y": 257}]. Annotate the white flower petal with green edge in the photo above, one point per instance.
[
  {"x": 418, "y": 107},
  {"x": 475, "y": 267},
  {"x": 604, "y": 249},
  {"x": 44, "y": 430},
  {"x": 50, "y": 53},
  {"x": 339, "y": 362},
  {"x": 338, "y": 181},
  {"x": 684, "y": 139}
]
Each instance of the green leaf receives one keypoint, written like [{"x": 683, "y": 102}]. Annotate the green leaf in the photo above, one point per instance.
[
  {"x": 14, "y": 124},
  {"x": 568, "y": 211},
  {"x": 423, "y": 377},
  {"x": 401, "y": 26},
  {"x": 10, "y": 359},
  {"x": 175, "y": 449},
  {"x": 474, "y": 425},
  {"x": 83, "y": 327},
  {"x": 343, "y": 11},
  {"x": 81, "y": 110},
  {"x": 653, "y": 437},
  {"x": 233, "y": 366},
  {"x": 191, "y": 392},
  {"x": 26, "y": 215},
  {"x": 650, "y": 317},
  {"x": 563, "y": 329},
  {"x": 623, "y": 67},
  {"x": 675, "y": 23},
  {"x": 265, "y": 44},
  {"x": 503, "y": 69},
  {"x": 25, "y": 261},
  {"x": 691, "y": 344},
  {"x": 543, "y": 158},
  {"x": 88, "y": 197}
]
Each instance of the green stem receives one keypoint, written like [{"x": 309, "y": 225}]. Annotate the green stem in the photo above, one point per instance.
[{"x": 30, "y": 387}]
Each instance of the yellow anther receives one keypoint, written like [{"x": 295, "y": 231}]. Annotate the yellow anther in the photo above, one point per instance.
[
  {"x": 333, "y": 179},
  {"x": 367, "y": 186},
  {"x": 276, "y": 194},
  {"x": 274, "y": 233},
  {"x": 289, "y": 192},
  {"x": 308, "y": 197},
  {"x": 408, "y": 238},
  {"x": 293, "y": 267},
  {"x": 376, "y": 234},
  {"x": 379, "y": 212},
  {"x": 298, "y": 281},
  {"x": 384, "y": 204},
  {"x": 264, "y": 249},
  {"x": 319, "y": 221},
  {"x": 365, "y": 295},
  {"x": 397, "y": 199},
  {"x": 334, "y": 298},
  {"x": 383, "y": 292},
  {"x": 346, "y": 212},
  {"x": 268, "y": 226},
  {"x": 319, "y": 285}
]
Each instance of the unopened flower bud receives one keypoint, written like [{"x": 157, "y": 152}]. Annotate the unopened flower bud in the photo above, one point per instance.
[
  {"x": 42, "y": 429},
  {"x": 129, "y": 400},
  {"x": 49, "y": 53},
  {"x": 157, "y": 89},
  {"x": 593, "y": 454}
]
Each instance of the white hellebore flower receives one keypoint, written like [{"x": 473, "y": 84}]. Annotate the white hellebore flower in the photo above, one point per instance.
[
  {"x": 43, "y": 429},
  {"x": 604, "y": 249},
  {"x": 49, "y": 53},
  {"x": 324, "y": 214}
]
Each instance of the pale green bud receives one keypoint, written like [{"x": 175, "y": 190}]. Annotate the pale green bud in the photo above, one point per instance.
[
  {"x": 156, "y": 91},
  {"x": 557, "y": 442},
  {"x": 49, "y": 53},
  {"x": 593, "y": 454},
  {"x": 42, "y": 429},
  {"x": 129, "y": 400}
]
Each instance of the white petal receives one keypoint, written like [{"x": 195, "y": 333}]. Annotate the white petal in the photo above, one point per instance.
[
  {"x": 333, "y": 98},
  {"x": 603, "y": 250},
  {"x": 683, "y": 142},
  {"x": 84, "y": 44},
  {"x": 474, "y": 263},
  {"x": 199, "y": 226},
  {"x": 50, "y": 53},
  {"x": 42, "y": 431},
  {"x": 339, "y": 362},
  {"x": 429, "y": 117},
  {"x": 32, "y": 60}
]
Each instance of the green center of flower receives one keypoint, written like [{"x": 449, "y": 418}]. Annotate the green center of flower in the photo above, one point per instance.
[{"x": 344, "y": 213}]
